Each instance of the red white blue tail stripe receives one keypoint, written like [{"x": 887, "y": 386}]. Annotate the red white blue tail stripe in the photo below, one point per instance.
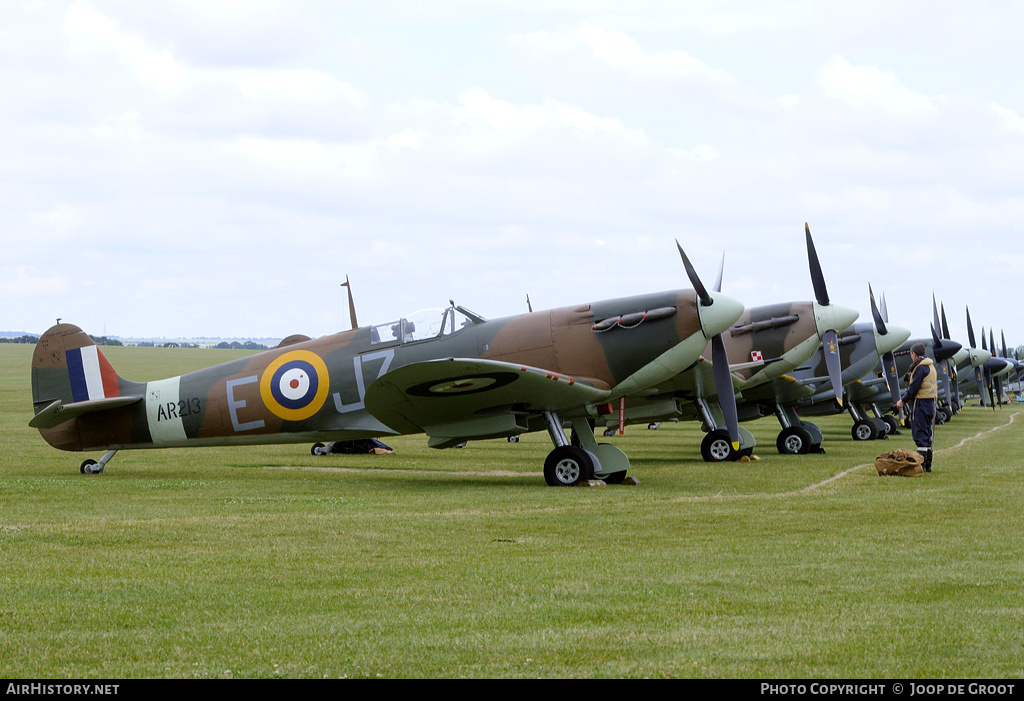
[{"x": 92, "y": 375}]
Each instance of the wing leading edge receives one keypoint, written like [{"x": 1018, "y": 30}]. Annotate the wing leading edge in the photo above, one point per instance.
[{"x": 457, "y": 399}]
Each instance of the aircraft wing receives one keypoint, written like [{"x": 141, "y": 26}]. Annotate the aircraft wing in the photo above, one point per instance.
[
  {"x": 784, "y": 389},
  {"x": 871, "y": 389},
  {"x": 58, "y": 412},
  {"x": 456, "y": 399}
]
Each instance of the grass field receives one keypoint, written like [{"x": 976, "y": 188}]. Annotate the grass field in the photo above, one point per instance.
[{"x": 258, "y": 562}]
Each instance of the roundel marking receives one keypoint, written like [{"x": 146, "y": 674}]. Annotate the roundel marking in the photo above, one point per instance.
[
  {"x": 295, "y": 385},
  {"x": 467, "y": 384}
]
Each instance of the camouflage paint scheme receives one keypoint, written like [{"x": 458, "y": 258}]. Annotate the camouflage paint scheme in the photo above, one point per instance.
[
  {"x": 454, "y": 376},
  {"x": 769, "y": 342},
  {"x": 861, "y": 348},
  {"x": 873, "y": 392}
]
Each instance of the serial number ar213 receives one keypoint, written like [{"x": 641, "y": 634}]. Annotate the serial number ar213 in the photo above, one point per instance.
[{"x": 179, "y": 410}]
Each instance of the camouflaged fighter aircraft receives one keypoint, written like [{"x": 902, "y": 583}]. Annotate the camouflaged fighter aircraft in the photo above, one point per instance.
[
  {"x": 985, "y": 370},
  {"x": 772, "y": 340},
  {"x": 809, "y": 389},
  {"x": 454, "y": 376},
  {"x": 891, "y": 367},
  {"x": 997, "y": 369},
  {"x": 884, "y": 391}
]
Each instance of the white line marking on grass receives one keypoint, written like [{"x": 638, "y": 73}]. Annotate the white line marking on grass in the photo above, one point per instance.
[{"x": 963, "y": 442}]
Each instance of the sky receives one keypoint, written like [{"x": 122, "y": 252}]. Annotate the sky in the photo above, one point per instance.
[{"x": 198, "y": 168}]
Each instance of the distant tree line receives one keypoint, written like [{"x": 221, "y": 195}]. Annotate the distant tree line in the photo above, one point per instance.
[
  {"x": 105, "y": 341},
  {"x": 235, "y": 345},
  {"x": 98, "y": 340}
]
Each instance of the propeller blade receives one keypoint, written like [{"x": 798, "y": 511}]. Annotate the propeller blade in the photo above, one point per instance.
[
  {"x": 979, "y": 377},
  {"x": 945, "y": 326},
  {"x": 830, "y": 349},
  {"x": 885, "y": 310},
  {"x": 944, "y": 377},
  {"x": 935, "y": 337},
  {"x": 723, "y": 385},
  {"x": 1003, "y": 334},
  {"x": 935, "y": 316},
  {"x": 691, "y": 273},
  {"x": 892, "y": 380},
  {"x": 983, "y": 340},
  {"x": 723, "y": 378},
  {"x": 528, "y": 305},
  {"x": 876, "y": 315},
  {"x": 817, "y": 277},
  {"x": 970, "y": 329}
]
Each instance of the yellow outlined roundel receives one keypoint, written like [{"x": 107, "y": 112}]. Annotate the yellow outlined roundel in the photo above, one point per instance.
[{"x": 295, "y": 385}]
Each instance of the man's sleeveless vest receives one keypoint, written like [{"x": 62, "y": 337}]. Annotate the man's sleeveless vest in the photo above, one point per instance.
[{"x": 930, "y": 384}]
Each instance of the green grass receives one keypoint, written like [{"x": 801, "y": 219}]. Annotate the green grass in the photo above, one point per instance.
[{"x": 219, "y": 563}]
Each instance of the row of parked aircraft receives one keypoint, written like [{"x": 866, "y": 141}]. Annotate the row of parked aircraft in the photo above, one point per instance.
[{"x": 692, "y": 354}]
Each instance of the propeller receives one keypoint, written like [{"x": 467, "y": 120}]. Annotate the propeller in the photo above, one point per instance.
[
  {"x": 719, "y": 355},
  {"x": 892, "y": 380},
  {"x": 875, "y": 314},
  {"x": 698, "y": 286},
  {"x": 988, "y": 371},
  {"x": 830, "y": 338},
  {"x": 997, "y": 379},
  {"x": 943, "y": 363},
  {"x": 979, "y": 374}
]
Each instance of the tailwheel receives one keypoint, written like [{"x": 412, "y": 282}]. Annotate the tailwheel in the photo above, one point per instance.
[
  {"x": 793, "y": 441},
  {"x": 92, "y": 467},
  {"x": 567, "y": 466},
  {"x": 716, "y": 447}
]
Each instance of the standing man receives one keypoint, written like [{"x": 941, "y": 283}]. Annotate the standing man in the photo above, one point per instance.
[{"x": 921, "y": 395}]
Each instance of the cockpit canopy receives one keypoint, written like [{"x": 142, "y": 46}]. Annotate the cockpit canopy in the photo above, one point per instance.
[{"x": 423, "y": 325}]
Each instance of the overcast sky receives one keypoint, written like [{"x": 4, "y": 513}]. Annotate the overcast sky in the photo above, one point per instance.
[{"x": 208, "y": 167}]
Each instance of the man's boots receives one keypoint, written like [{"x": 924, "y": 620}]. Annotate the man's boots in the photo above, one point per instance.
[{"x": 926, "y": 453}]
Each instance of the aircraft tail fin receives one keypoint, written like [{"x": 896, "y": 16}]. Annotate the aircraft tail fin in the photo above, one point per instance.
[{"x": 68, "y": 367}]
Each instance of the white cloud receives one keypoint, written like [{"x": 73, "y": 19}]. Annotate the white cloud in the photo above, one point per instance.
[
  {"x": 1011, "y": 121},
  {"x": 622, "y": 52},
  {"x": 245, "y": 144},
  {"x": 92, "y": 32},
  {"x": 871, "y": 89}
]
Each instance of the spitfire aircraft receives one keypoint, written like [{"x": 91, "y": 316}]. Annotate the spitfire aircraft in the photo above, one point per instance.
[
  {"x": 765, "y": 343},
  {"x": 810, "y": 390},
  {"x": 452, "y": 375},
  {"x": 985, "y": 372}
]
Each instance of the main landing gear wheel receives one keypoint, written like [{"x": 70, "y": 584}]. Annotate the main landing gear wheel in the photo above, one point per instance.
[
  {"x": 863, "y": 431},
  {"x": 567, "y": 466},
  {"x": 89, "y": 467},
  {"x": 793, "y": 441},
  {"x": 716, "y": 447},
  {"x": 893, "y": 423}
]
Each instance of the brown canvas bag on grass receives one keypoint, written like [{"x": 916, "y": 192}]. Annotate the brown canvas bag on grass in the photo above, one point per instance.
[{"x": 902, "y": 463}]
